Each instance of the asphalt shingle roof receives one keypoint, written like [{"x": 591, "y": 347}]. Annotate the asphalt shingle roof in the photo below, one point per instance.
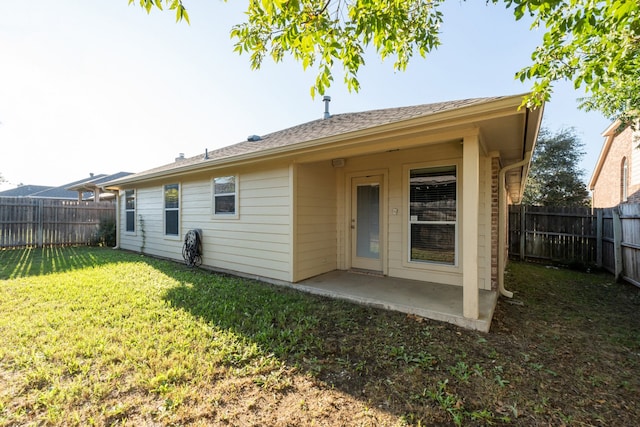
[
  {"x": 68, "y": 191},
  {"x": 24, "y": 190},
  {"x": 338, "y": 124}
]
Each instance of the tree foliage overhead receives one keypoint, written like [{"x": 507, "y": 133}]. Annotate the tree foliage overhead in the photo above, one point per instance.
[
  {"x": 181, "y": 11},
  {"x": 321, "y": 33},
  {"x": 555, "y": 178},
  {"x": 593, "y": 43}
]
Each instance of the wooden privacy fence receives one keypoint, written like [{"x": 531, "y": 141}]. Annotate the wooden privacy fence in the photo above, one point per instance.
[
  {"x": 607, "y": 238},
  {"x": 26, "y": 222}
]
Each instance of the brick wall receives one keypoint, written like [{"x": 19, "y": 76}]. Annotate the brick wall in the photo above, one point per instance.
[
  {"x": 495, "y": 171},
  {"x": 607, "y": 191}
]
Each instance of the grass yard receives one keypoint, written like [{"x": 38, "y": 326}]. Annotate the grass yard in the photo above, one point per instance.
[{"x": 101, "y": 337}]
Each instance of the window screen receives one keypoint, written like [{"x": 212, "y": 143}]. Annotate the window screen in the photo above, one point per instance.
[
  {"x": 171, "y": 209},
  {"x": 130, "y": 210},
  {"x": 224, "y": 195},
  {"x": 433, "y": 214}
]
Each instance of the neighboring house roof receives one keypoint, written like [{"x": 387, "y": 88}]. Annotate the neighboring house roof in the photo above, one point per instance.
[
  {"x": 333, "y": 129},
  {"x": 55, "y": 193},
  {"x": 40, "y": 192},
  {"x": 96, "y": 181},
  {"x": 24, "y": 190},
  {"x": 65, "y": 192}
]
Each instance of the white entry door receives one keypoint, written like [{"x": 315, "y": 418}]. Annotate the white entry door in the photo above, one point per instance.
[{"x": 366, "y": 214}]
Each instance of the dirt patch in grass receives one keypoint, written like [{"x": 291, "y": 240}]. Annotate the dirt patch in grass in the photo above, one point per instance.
[{"x": 109, "y": 338}]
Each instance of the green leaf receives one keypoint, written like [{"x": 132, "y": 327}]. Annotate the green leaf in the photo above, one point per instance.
[{"x": 594, "y": 43}]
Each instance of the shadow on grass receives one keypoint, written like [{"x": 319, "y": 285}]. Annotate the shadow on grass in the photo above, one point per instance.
[
  {"x": 15, "y": 263},
  {"x": 380, "y": 357},
  {"x": 566, "y": 354},
  {"x": 434, "y": 372}
]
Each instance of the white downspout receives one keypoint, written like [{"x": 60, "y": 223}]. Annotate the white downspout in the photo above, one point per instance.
[
  {"x": 117, "y": 246},
  {"x": 502, "y": 221}
]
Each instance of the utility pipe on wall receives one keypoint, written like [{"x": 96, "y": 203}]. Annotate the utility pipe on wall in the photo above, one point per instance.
[{"x": 502, "y": 218}]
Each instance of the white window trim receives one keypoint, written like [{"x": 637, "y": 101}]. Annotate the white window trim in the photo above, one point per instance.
[
  {"x": 236, "y": 195},
  {"x": 164, "y": 213},
  {"x": 406, "y": 223},
  {"x": 134, "y": 210}
]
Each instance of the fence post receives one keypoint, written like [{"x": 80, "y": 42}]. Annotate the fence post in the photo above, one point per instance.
[
  {"x": 617, "y": 243},
  {"x": 40, "y": 216},
  {"x": 523, "y": 231},
  {"x": 599, "y": 221}
]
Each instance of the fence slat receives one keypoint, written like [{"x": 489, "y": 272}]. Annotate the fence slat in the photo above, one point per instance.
[
  {"x": 26, "y": 222},
  {"x": 608, "y": 238}
]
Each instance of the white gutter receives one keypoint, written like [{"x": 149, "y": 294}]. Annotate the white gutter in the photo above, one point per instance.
[{"x": 502, "y": 220}]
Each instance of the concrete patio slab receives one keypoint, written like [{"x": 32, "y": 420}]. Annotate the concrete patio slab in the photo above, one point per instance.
[{"x": 430, "y": 300}]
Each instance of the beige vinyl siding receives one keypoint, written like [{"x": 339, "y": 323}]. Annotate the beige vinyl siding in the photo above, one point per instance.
[
  {"x": 149, "y": 237},
  {"x": 396, "y": 241},
  {"x": 393, "y": 164},
  {"x": 315, "y": 229},
  {"x": 129, "y": 241},
  {"x": 260, "y": 240},
  {"x": 256, "y": 243}
]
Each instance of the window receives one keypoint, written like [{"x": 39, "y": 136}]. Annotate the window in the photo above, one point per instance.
[
  {"x": 224, "y": 195},
  {"x": 433, "y": 215},
  {"x": 624, "y": 180},
  {"x": 171, "y": 209},
  {"x": 130, "y": 210}
]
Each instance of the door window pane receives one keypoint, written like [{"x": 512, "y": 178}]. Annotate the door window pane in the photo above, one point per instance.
[{"x": 368, "y": 221}]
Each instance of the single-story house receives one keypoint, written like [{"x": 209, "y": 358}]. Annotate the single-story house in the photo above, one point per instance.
[
  {"x": 616, "y": 176},
  {"x": 415, "y": 193}
]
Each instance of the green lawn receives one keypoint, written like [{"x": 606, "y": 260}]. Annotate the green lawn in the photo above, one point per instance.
[{"x": 101, "y": 337}]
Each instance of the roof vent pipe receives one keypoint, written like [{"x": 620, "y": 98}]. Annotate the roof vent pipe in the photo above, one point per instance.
[{"x": 326, "y": 99}]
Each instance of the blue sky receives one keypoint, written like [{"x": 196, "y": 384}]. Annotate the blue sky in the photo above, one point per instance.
[{"x": 102, "y": 87}]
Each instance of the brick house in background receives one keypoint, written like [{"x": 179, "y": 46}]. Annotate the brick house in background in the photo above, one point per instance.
[{"x": 616, "y": 176}]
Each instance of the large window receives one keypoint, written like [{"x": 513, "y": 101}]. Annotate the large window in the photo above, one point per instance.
[
  {"x": 172, "y": 209},
  {"x": 130, "y": 210},
  {"x": 433, "y": 214},
  {"x": 224, "y": 196}
]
